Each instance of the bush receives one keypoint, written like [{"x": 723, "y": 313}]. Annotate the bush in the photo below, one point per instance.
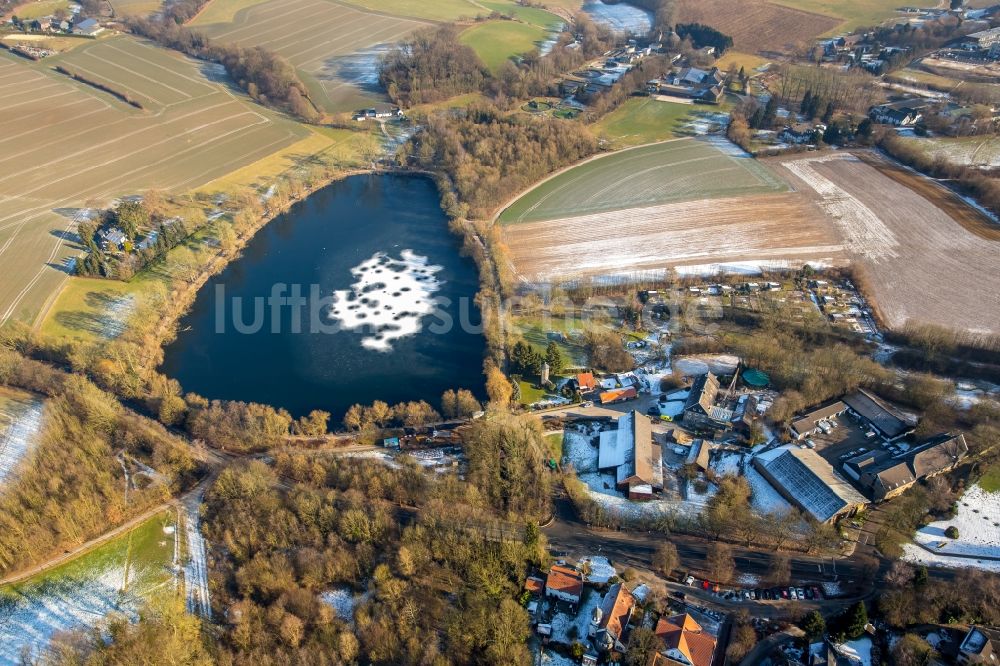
[{"x": 951, "y": 532}]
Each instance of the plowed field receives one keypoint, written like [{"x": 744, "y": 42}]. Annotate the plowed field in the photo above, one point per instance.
[{"x": 756, "y": 25}]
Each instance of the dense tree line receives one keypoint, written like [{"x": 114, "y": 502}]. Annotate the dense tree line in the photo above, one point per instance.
[
  {"x": 702, "y": 36},
  {"x": 264, "y": 75},
  {"x": 489, "y": 156},
  {"x": 912, "y": 598},
  {"x": 71, "y": 486},
  {"x": 433, "y": 592},
  {"x": 431, "y": 66}
]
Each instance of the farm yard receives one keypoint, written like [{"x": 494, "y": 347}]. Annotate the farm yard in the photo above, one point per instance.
[
  {"x": 333, "y": 46},
  {"x": 65, "y": 145},
  {"x": 672, "y": 171},
  {"x": 931, "y": 258},
  {"x": 117, "y": 577},
  {"x": 758, "y": 25}
]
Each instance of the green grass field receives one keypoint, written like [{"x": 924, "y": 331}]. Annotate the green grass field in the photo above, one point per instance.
[
  {"x": 496, "y": 42},
  {"x": 119, "y": 576},
  {"x": 533, "y": 15},
  {"x": 990, "y": 481},
  {"x": 535, "y": 331},
  {"x": 33, "y": 10},
  {"x": 855, "y": 13},
  {"x": 645, "y": 120},
  {"x": 677, "y": 170}
]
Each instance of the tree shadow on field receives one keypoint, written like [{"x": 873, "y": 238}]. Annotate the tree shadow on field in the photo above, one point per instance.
[
  {"x": 100, "y": 299},
  {"x": 86, "y": 322},
  {"x": 72, "y": 239}
]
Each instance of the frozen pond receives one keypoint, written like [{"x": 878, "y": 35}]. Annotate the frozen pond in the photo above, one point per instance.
[{"x": 621, "y": 17}]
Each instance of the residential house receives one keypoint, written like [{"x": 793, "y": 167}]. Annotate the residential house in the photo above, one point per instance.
[
  {"x": 564, "y": 584},
  {"x": 685, "y": 642},
  {"x": 631, "y": 454},
  {"x": 112, "y": 239},
  {"x": 905, "y": 113},
  {"x": 799, "y": 133},
  {"x": 701, "y": 411},
  {"x": 611, "y": 617},
  {"x": 586, "y": 381}
]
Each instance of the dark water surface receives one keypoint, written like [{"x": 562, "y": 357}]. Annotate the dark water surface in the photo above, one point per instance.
[{"x": 342, "y": 227}]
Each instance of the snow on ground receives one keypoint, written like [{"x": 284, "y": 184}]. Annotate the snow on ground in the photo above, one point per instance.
[
  {"x": 550, "y": 658},
  {"x": 728, "y": 464},
  {"x": 620, "y": 17},
  {"x": 196, "y": 567},
  {"x": 562, "y": 621},
  {"x": 978, "y": 523},
  {"x": 678, "y": 395},
  {"x": 673, "y": 408},
  {"x": 343, "y": 601},
  {"x": 720, "y": 364},
  {"x": 378, "y": 456},
  {"x": 858, "y": 651},
  {"x": 748, "y": 580},
  {"x": 917, "y": 555},
  {"x": 115, "y": 317},
  {"x": 578, "y": 450},
  {"x": 831, "y": 589},
  {"x": 601, "y": 570},
  {"x": 20, "y": 422},
  {"x": 390, "y": 298}
]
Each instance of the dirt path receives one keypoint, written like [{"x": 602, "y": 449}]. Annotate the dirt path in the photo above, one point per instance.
[{"x": 89, "y": 545}]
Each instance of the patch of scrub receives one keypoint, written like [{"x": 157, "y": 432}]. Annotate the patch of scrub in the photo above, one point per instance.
[
  {"x": 20, "y": 423},
  {"x": 118, "y": 577},
  {"x": 391, "y": 297}
]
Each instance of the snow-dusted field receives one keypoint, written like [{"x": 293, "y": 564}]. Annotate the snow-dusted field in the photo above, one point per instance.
[
  {"x": 978, "y": 523},
  {"x": 917, "y": 555},
  {"x": 119, "y": 577},
  {"x": 20, "y": 423}
]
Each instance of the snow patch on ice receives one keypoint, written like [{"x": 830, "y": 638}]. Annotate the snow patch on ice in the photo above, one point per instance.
[{"x": 390, "y": 298}]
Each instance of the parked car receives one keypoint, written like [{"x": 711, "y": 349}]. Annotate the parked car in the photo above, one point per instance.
[
  {"x": 784, "y": 593},
  {"x": 800, "y": 593}
]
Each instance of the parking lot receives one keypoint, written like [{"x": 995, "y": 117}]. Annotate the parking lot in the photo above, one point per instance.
[{"x": 845, "y": 440}]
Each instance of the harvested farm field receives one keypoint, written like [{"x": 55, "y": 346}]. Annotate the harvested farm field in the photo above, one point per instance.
[
  {"x": 333, "y": 46},
  {"x": 672, "y": 171},
  {"x": 758, "y": 26},
  {"x": 930, "y": 258},
  {"x": 779, "y": 230},
  {"x": 65, "y": 143}
]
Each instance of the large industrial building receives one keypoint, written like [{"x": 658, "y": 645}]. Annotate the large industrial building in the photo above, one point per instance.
[{"x": 809, "y": 482}]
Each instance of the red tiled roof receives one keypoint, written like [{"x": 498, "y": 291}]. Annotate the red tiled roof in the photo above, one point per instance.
[
  {"x": 534, "y": 585},
  {"x": 618, "y": 394},
  {"x": 682, "y": 633},
  {"x": 586, "y": 381},
  {"x": 564, "y": 579}
]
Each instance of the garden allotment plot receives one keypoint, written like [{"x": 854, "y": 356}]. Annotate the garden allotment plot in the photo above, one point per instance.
[
  {"x": 678, "y": 170},
  {"x": 334, "y": 47},
  {"x": 64, "y": 144}
]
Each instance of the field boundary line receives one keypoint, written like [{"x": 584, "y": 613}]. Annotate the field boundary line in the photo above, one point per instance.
[{"x": 325, "y": 43}]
